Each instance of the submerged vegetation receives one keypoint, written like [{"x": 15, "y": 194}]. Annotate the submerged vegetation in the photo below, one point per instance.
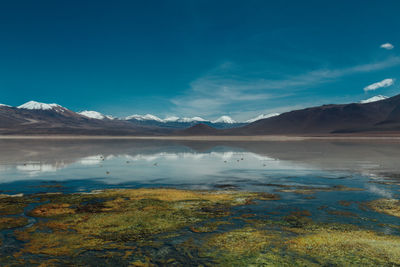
[
  {"x": 307, "y": 190},
  {"x": 12, "y": 222},
  {"x": 10, "y": 205},
  {"x": 301, "y": 242},
  {"x": 350, "y": 247},
  {"x": 387, "y": 206},
  {"x": 150, "y": 227}
]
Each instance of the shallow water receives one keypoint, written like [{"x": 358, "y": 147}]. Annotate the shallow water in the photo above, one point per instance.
[
  {"x": 84, "y": 165},
  {"x": 31, "y": 166},
  {"x": 320, "y": 168}
]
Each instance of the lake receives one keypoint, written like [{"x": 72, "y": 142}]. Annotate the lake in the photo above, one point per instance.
[{"x": 330, "y": 180}]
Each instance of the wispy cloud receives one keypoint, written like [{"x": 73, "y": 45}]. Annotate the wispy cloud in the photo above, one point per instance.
[
  {"x": 387, "y": 46},
  {"x": 377, "y": 85},
  {"x": 223, "y": 91}
]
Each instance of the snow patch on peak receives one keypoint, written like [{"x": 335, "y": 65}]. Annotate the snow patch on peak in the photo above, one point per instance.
[
  {"x": 197, "y": 119},
  {"x": 92, "y": 114},
  {"x": 38, "y": 106},
  {"x": 262, "y": 116},
  {"x": 4, "y": 105},
  {"x": 147, "y": 117},
  {"x": 171, "y": 119},
  {"x": 373, "y": 99},
  {"x": 224, "y": 119}
]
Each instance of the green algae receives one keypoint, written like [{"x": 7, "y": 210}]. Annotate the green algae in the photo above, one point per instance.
[
  {"x": 129, "y": 227},
  {"x": 109, "y": 219},
  {"x": 348, "y": 248},
  {"x": 241, "y": 247},
  {"x": 301, "y": 242},
  {"x": 242, "y": 241}
]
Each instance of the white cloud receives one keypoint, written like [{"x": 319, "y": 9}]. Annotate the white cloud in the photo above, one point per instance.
[
  {"x": 377, "y": 85},
  {"x": 387, "y": 46},
  {"x": 228, "y": 88}
]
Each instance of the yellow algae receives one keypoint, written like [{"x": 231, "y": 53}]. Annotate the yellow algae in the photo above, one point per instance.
[
  {"x": 59, "y": 243},
  {"x": 246, "y": 240},
  {"x": 141, "y": 264},
  {"x": 165, "y": 194},
  {"x": 49, "y": 263},
  {"x": 345, "y": 203},
  {"x": 307, "y": 190},
  {"x": 309, "y": 245},
  {"x": 387, "y": 206},
  {"x": 342, "y": 213},
  {"x": 208, "y": 227},
  {"x": 12, "y": 222},
  {"x": 124, "y": 224},
  {"x": 344, "y": 248},
  {"x": 49, "y": 210},
  {"x": 12, "y": 205},
  {"x": 251, "y": 246},
  {"x": 110, "y": 218}
]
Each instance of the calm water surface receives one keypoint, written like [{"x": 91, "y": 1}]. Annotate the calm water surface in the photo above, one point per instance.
[{"x": 75, "y": 166}]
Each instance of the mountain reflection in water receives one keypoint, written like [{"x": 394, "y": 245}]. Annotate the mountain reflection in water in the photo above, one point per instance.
[{"x": 241, "y": 165}]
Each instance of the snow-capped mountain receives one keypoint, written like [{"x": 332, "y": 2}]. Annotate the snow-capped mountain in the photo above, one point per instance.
[
  {"x": 150, "y": 117},
  {"x": 145, "y": 120},
  {"x": 171, "y": 119},
  {"x": 374, "y": 99},
  {"x": 95, "y": 115},
  {"x": 224, "y": 119},
  {"x": 147, "y": 117},
  {"x": 4, "y": 105},
  {"x": 33, "y": 105},
  {"x": 42, "y": 118},
  {"x": 175, "y": 122},
  {"x": 190, "y": 121},
  {"x": 262, "y": 116},
  {"x": 193, "y": 119}
]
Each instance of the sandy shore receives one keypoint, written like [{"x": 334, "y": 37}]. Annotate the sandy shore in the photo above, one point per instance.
[{"x": 204, "y": 138}]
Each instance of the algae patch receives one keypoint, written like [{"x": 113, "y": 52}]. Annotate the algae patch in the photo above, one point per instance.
[
  {"x": 10, "y": 205},
  {"x": 387, "y": 206},
  {"x": 114, "y": 219},
  {"x": 308, "y": 190},
  {"x": 153, "y": 227},
  {"x": 12, "y": 222},
  {"x": 344, "y": 248},
  {"x": 298, "y": 241}
]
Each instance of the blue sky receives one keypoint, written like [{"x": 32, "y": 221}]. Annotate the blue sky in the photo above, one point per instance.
[{"x": 205, "y": 58}]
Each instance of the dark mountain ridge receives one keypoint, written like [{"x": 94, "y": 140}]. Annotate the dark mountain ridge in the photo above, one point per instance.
[{"x": 379, "y": 116}]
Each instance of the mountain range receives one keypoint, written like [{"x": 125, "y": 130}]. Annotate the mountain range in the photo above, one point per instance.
[
  {"x": 42, "y": 118},
  {"x": 378, "y": 114}
]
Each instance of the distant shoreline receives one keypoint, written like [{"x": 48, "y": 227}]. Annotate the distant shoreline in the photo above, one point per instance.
[{"x": 203, "y": 137}]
